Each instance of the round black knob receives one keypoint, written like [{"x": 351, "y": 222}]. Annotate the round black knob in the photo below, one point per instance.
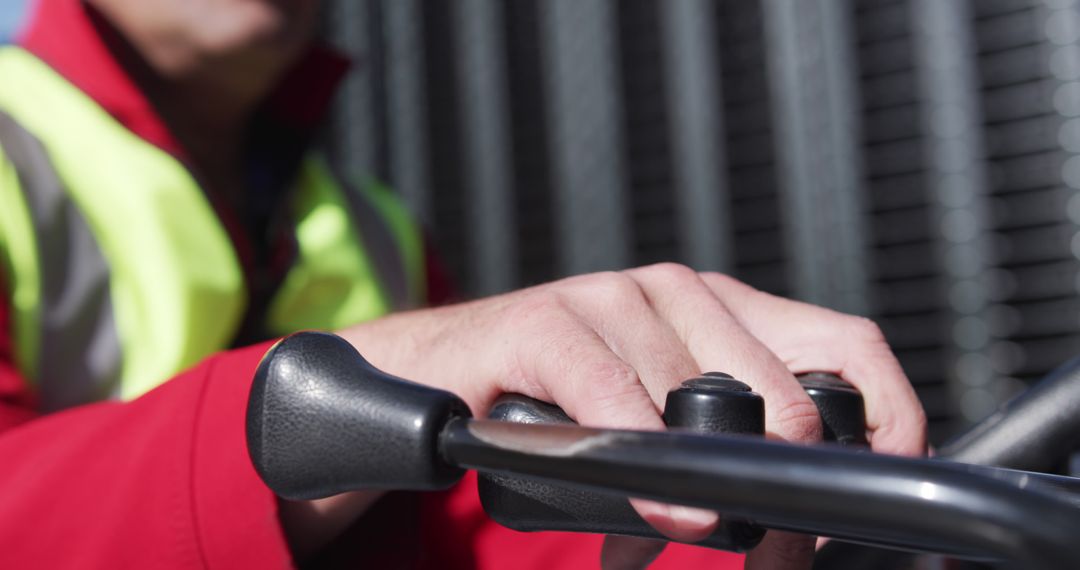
[
  {"x": 715, "y": 403},
  {"x": 843, "y": 415}
]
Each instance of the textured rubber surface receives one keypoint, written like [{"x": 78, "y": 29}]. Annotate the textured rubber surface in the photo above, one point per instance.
[
  {"x": 321, "y": 420},
  {"x": 713, "y": 403}
]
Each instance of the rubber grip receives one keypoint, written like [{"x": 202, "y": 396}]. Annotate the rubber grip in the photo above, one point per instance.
[
  {"x": 715, "y": 403},
  {"x": 321, "y": 420}
]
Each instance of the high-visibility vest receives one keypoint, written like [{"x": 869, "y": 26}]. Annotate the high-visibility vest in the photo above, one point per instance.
[{"x": 120, "y": 273}]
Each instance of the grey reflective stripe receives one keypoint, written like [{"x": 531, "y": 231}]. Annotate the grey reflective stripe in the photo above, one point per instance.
[
  {"x": 381, "y": 247},
  {"x": 78, "y": 359}
]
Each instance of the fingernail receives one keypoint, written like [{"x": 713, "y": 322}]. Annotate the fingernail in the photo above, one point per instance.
[
  {"x": 654, "y": 512},
  {"x": 690, "y": 518}
]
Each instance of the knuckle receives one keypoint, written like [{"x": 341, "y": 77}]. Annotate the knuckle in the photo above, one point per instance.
[
  {"x": 866, "y": 330},
  {"x": 726, "y": 283},
  {"x": 719, "y": 278},
  {"x": 608, "y": 387},
  {"x": 673, "y": 271},
  {"x": 799, "y": 420},
  {"x": 608, "y": 376},
  {"x": 536, "y": 308},
  {"x": 616, "y": 287},
  {"x": 610, "y": 391}
]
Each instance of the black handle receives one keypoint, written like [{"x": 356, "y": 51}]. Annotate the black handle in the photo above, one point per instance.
[
  {"x": 917, "y": 504},
  {"x": 712, "y": 403},
  {"x": 321, "y": 420}
]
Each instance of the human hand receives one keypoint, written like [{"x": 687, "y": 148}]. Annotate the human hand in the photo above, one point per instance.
[{"x": 608, "y": 347}]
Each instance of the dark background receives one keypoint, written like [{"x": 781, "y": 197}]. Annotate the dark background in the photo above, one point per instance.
[
  {"x": 910, "y": 160},
  {"x": 914, "y": 161}
]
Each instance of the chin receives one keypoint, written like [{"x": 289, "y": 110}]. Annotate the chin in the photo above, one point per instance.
[{"x": 279, "y": 26}]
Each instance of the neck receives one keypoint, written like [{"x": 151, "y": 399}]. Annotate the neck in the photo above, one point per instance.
[
  {"x": 206, "y": 99},
  {"x": 207, "y": 117}
]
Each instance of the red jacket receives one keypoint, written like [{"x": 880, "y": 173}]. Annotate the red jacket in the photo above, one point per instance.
[{"x": 164, "y": 481}]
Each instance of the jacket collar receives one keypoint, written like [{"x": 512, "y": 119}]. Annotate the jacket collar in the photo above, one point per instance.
[{"x": 73, "y": 39}]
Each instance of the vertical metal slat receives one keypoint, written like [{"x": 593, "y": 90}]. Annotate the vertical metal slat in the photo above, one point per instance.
[
  {"x": 354, "y": 128},
  {"x": 488, "y": 162},
  {"x": 951, "y": 118},
  {"x": 406, "y": 104},
  {"x": 695, "y": 104},
  {"x": 579, "y": 44},
  {"x": 816, "y": 121}
]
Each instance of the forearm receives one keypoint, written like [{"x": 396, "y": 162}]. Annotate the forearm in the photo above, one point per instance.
[{"x": 162, "y": 481}]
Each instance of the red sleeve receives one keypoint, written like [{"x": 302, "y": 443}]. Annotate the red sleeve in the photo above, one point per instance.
[{"x": 163, "y": 481}]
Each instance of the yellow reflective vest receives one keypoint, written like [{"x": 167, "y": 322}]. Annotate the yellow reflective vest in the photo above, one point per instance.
[{"x": 120, "y": 273}]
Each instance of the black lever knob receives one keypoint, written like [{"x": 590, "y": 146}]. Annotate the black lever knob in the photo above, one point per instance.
[
  {"x": 321, "y": 420},
  {"x": 715, "y": 403},
  {"x": 843, "y": 415}
]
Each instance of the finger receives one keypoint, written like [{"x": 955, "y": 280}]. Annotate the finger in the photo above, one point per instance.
[
  {"x": 621, "y": 314},
  {"x": 597, "y": 386},
  {"x": 629, "y": 553},
  {"x": 895, "y": 419},
  {"x": 578, "y": 371},
  {"x": 829, "y": 341},
  {"x": 719, "y": 342},
  {"x": 782, "y": 551}
]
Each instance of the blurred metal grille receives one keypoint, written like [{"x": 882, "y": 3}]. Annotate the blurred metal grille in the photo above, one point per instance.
[
  {"x": 695, "y": 119},
  {"x": 1029, "y": 65},
  {"x": 816, "y": 122},
  {"x": 580, "y": 79},
  {"x": 956, "y": 179},
  {"x": 759, "y": 251},
  {"x": 488, "y": 169},
  {"x": 532, "y": 186},
  {"x": 913, "y": 160}
]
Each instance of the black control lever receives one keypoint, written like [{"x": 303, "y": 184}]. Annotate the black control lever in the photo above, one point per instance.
[
  {"x": 321, "y": 421},
  {"x": 843, "y": 413},
  {"x": 712, "y": 404}
]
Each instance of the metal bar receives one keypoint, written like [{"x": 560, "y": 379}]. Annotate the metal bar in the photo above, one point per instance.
[
  {"x": 816, "y": 122},
  {"x": 581, "y": 82},
  {"x": 912, "y": 503},
  {"x": 695, "y": 111},
  {"x": 488, "y": 168}
]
